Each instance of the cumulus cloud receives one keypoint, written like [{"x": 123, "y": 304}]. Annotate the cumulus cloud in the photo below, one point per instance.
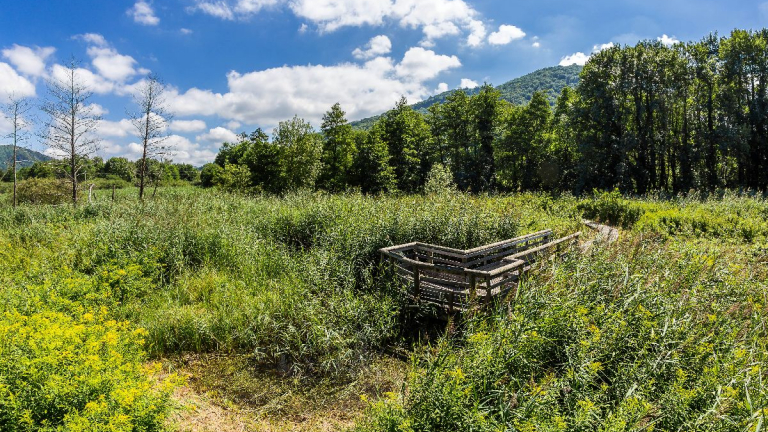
[
  {"x": 97, "y": 109},
  {"x": 441, "y": 88},
  {"x": 185, "y": 31},
  {"x": 468, "y": 83},
  {"x": 218, "y": 136},
  {"x": 505, "y": 35},
  {"x": 92, "y": 38},
  {"x": 377, "y": 46},
  {"x": 11, "y": 83},
  {"x": 436, "y": 18},
  {"x": 667, "y": 40},
  {"x": 121, "y": 128},
  {"x": 187, "y": 126},
  {"x": 109, "y": 63},
  {"x": 578, "y": 58},
  {"x": 143, "y": 13},
  {"x": 269, "y": 96},
  {"x": 602, "y": 47},
  {"x": 477, "y": 33},
  {"x": 420, "y": 64},
  {"x": 230, "y": 10},
  {"x": 92, "y": 81},
  {"x": 27, "y": 60}
]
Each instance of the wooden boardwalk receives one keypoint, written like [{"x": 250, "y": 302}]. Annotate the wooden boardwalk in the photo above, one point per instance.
[{"x": 456, "y": 280}]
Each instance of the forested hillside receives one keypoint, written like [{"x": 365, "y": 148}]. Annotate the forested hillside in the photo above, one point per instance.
[
  {"x": 518, "y": 91},
  {"x": 25, "y": 157}
]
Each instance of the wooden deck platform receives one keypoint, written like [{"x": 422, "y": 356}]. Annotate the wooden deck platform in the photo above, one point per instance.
[{"x": 456, "y": 280}]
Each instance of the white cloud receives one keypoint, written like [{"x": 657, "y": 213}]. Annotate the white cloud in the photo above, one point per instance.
[
  {"x": 536, "y": 45},
  {"x": 269, "y": 96},
  {"x": 420, "y": 64},
  {"x": 505, "y": 35},
  {"x": 108, "y": 62},
  {"x": 230, "y": 10},
  {"x": 377, "y": 46},
  {"x": 143, "y": 13},
  {"x": 477, "y": 33},
  {"x": 111, "y": 64},
  {"x": 436, "y": 18},
  {"x": 468, "y": 83},
  {"x": 92, "y": 38},
  {"x": 331, "y": 15},
  {"x": 667, "y": 40},
  {"x": 578, "y": 58},
  {"x": 121, "y": 128},
  {"x": 602, "y": 47},
  {"x": 92, "y": 81},
  {"x": 11, "y": 83},
  {"x": 185, "y": 151},
  {"x": 218, "y": 136},
  {"x": 439, "y": 30},
  {"x": 185, "y": 31},
  {"x": 233, "y": 125},
  {"x": 303, "y": 28},
  {"x": 441, "y": 88},
  {"x": 97, "y": 109},
  {"x": 187, "y": 126},
  {"x": 29, "y": 61}
]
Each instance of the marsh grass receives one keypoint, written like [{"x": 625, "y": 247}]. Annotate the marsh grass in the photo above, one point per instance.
[{"x": 666, "y": 330}]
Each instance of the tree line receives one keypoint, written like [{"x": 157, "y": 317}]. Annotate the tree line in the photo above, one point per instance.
[{"x": 643, "y": 118}]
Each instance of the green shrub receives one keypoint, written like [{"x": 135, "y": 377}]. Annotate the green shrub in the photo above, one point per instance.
[
  {"x": 610, "y": 208},
  {"x": 43, "y": 191},
  {"x": 86, "y": 374}
]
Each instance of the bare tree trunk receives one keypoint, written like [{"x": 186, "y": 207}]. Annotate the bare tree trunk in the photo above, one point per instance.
[
  {"x": 15, "y": 202},
  {"x": 142, "y": 174}
]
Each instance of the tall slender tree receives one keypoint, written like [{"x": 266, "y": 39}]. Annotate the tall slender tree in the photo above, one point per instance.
[
  {"x": 17, "y": 111},
  {"x": 151, "y": 125},
  {"x": 72, "y": 121},
  {"x": 338, "y": 150}
]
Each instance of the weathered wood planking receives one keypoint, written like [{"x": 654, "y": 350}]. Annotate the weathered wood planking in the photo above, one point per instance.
[{"x": 456, "y": 280}]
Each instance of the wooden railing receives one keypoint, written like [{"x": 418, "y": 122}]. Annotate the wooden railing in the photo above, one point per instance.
[{"x": 455, "y": 279}]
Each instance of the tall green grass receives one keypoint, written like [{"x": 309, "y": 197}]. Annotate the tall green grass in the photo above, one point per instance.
[{"x": 666, "y": 330}]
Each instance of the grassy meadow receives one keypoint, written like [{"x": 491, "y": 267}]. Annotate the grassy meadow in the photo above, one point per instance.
[{"x": 663, "y": 330}]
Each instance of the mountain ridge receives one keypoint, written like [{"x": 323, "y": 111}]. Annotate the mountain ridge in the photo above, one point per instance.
[{"x": 24, "y": 156}]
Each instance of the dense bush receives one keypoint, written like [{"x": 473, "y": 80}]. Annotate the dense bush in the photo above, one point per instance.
[
  {"x": 43, "y": 191},
  {"x": 59, "y": 373}
]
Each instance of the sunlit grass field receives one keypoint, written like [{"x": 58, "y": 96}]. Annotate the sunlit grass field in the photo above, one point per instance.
[{"x": 662, "y": 330}]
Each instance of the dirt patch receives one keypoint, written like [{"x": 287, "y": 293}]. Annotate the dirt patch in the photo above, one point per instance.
[{"x": 232, "y": 393}]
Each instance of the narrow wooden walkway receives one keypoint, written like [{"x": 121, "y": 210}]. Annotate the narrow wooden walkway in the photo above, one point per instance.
[{"x": 456, "y": 280}]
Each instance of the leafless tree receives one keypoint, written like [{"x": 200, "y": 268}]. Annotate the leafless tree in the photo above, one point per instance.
[
  {"x": 72, "y": 121},
  {"x": 16, "y": 110},
  {"x": 151, "y": 124}
]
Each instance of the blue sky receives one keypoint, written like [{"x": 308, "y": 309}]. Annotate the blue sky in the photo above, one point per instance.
[{"x": 234, "y": 65}]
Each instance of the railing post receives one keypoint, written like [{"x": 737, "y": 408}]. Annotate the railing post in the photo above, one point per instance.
[{"x": 416, "y": 282}]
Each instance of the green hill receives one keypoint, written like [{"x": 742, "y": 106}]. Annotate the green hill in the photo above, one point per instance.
[
  {"x": 517, "y": 91},
  {"x": 25, "y": 157}
]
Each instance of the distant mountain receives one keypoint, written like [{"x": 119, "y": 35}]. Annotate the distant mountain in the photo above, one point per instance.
[
  {"x": 517, "y": 91},
  {"x": 25, "y": 157}
]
